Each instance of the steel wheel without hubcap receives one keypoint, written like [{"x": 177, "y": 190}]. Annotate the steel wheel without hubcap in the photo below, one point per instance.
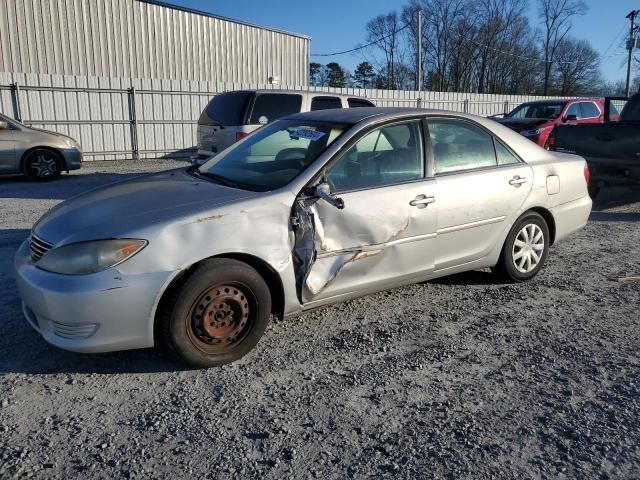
[
  {"x": 216, "y": 314},
  {"x": 220, "y": 318},
  {"x": 528, "y": 248}
]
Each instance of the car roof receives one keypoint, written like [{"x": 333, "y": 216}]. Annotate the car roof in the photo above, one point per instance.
[
  {"x": 315, "y": 93},
  {"x": 550, "y": 101},
  {"x": 359, "y": 114}
]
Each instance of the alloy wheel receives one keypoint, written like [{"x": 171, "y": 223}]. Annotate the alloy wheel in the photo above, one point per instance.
[{"x": 43, "y": 166}]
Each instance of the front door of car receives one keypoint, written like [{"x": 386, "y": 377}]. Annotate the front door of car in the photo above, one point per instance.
[
  {"x": 7, "y": 148},
  {"x": 383, "y": 236},
  {"x": 480, "y": 187}
]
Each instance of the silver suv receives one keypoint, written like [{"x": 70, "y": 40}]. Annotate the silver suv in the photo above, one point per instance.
[{"x": 232, "y": 116}]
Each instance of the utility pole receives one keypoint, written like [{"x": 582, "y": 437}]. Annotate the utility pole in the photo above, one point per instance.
[
  {"x": 419, "y": 52},
  {"x": 630, "y": 44}
]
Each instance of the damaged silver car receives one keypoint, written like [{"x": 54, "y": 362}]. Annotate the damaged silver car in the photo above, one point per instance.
[{"x": 312, "y": 209}]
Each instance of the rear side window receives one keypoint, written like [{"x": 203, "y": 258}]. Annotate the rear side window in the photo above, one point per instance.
[
  {"x": 589, "y": 110},
  {"x": 459, "y": 145},
  {"x": 271, "y": 106},
  {"x": 359, "y": 102},
  {"x": 504, "y": 155},
  {"x": 226, "y": 109},
  {"x": 324, "y": 103}
]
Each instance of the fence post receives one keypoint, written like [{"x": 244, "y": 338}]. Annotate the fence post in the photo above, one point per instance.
[
  {"x": 466, "y": 105},
  {"x": 134, "y": 123},
  {"x": 506, "y": 107},
  {"x": 15, "y": 98},
  {"x": 419, "y": 102}
]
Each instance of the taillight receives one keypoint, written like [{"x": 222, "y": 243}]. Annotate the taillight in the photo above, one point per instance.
[
  {"x": 240, "y": 135},
  {"x": 587, "y": 174},
  {"x": 551, "y": 140}
]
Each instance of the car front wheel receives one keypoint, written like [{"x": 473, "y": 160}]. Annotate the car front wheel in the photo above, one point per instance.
[
  {"x": 525, "y": 249},
  {"x": 42, "y": 164},
  {"x": 217, "y": 315}
]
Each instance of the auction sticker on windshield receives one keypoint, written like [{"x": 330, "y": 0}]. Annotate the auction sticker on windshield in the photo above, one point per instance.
[{"x": 307, "y": 134}]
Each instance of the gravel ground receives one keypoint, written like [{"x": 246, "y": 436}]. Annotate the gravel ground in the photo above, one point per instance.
[{"x": 460, "y": 377}]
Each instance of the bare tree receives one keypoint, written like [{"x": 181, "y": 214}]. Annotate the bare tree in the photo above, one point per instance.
[
  {"x": 556, "y": 16},
  {"x": 577, "y": 69},
  {"x": 383, "y": 30}
]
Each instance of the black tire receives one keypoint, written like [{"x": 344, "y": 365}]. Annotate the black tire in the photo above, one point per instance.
[
  {"x": 42, "y": 164},
  {"x": 217, "y": 315},
  {"x": 506, "y": 267}
]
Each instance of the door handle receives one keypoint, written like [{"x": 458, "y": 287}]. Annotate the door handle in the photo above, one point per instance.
[
  {"x": 517, "y": 181},
  {"x": 421, "y": 201}
]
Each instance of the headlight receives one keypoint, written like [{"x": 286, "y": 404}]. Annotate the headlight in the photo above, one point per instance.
[
  {"x": 89, "y": 257},
  {"x": 70, "y": 142},
  {"x": 530, "y": 133}
]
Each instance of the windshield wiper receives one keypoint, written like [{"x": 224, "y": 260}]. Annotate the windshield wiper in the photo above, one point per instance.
[{"x": 220, "y": 179}]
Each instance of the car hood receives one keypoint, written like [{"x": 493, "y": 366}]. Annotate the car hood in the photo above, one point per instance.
[
  {"x": 50, "y": 133},
  {"x": 519, "y": 124},
  {"x": 116, "y": 209}
]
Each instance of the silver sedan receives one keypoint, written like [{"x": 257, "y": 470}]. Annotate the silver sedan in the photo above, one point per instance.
[
  {"x": 39, "y": 154},
  {"x": 313, "y": 209}
]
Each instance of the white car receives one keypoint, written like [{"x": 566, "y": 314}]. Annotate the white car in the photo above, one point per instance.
[{"x": 345, "y": 203}]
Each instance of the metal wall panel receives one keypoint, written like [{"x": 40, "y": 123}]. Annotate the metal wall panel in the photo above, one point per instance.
[
  {"x": 137, "y": 39},
  {"x": 97, "y": 111}
]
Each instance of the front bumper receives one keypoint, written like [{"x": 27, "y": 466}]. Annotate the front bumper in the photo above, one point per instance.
[
  {"x": 72, "y": 158},
  {"x": 101, "y": 312}
]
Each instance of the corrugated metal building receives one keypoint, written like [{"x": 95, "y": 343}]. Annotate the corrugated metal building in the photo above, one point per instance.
[{"x": 144, "y": 39}]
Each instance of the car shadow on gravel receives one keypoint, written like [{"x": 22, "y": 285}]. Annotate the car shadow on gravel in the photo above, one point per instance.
[
  {"x": 614, "y": 217},
  {"x": 475, "y": 277},
  {"x": 63, "y": 187},
  {"x": 32, "y": 355}
]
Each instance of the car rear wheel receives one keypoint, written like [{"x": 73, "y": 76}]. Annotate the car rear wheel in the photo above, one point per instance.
[
  {"x": 217, "y": 315},
  {"x": 525, "y": 249},
  {"x": 41, "y": 165}
]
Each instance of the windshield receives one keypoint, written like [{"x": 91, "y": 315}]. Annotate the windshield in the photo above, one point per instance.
[
  {"x": 9, "y": 120},
  {"x": 538, "y": 110},
  {"x": 273, "y": 155}
]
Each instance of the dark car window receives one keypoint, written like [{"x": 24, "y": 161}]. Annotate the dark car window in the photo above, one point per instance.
[
  {"x": 385, "y": 156},
  {"x": 324, "y": 103},
  {"x": 589, "y": 110},
  {"x": 271, "y": 106},
  {"x": 359, "y": 102},
  {"x": 549, "y": 110},
  {"x": 574, "y": 109},
  {"x": 227, "y": 109},
  {"x": 459, "y": 145}
]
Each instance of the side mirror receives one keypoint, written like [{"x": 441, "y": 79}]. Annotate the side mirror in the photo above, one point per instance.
[
  {"x": 3, "y": 125},
  {"x": 323, "y": 190},
  {"x": 570, "y": 118}
]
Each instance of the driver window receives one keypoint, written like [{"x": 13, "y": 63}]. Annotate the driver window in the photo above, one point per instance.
[
  {"x": 384, "y": 156},
  {"x": 574, "y": 109}
]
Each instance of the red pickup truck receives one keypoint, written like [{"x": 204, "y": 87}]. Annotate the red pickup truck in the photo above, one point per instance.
[{"x": 535, "y": 120}]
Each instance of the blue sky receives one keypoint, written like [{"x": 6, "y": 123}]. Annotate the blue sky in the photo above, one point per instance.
[{"x": 339, "y": 25}]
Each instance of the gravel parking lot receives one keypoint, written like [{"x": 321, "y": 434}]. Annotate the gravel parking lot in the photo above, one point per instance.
[{"x": 461, "y": 377}]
